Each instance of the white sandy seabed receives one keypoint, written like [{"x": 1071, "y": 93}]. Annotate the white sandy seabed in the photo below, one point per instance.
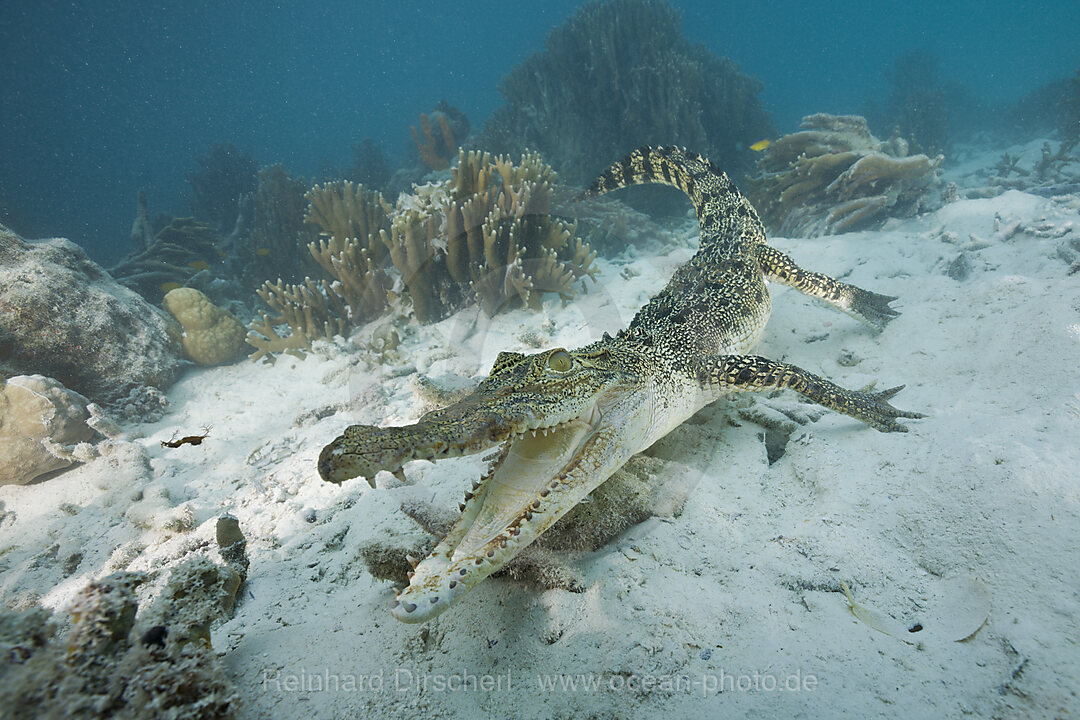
[{"x": 731, "y": 608}]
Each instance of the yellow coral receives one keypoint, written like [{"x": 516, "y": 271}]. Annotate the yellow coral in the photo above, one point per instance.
[
  {"x": 487, "y": 232},
  {"x": 346, "y": 210},
  {"x": 212, "y": 336}
]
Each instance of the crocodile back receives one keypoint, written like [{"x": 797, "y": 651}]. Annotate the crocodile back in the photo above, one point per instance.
[{"x": 718, "y": 301}]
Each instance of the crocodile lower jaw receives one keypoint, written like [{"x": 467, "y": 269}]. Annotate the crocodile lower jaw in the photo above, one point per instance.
[{"x": 540, "y": 475}]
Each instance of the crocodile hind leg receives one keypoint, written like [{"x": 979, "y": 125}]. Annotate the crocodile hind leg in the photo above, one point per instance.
[
  {"x": 750, "y": 372},
  {"x": 870, "y": 307}
]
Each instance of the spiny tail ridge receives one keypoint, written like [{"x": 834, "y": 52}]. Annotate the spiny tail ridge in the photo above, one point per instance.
[{"x": 718, "y": 203}]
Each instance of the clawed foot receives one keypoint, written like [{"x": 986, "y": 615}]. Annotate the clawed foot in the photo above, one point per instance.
[
  {"x": 873, "y": 307},
  {"x": 875, "y": 410}
]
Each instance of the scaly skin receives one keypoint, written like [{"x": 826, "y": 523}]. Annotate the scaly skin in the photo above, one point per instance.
[{"x": 566, "y": 420}]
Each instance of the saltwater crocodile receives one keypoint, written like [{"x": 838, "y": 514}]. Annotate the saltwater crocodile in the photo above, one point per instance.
[{"x": 565, "y": 420}]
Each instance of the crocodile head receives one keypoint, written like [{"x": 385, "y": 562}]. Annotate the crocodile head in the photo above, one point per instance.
[{"x": 564, "y": 421}]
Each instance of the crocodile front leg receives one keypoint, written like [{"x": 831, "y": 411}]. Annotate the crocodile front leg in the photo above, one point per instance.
[
  {"x": 750, "y": 372},
  {"x": 870, "y": 307}
]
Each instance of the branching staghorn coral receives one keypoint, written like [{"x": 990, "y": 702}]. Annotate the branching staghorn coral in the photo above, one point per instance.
[
  {"x": 350, "y": 253},
  {"x": 346, "y": 210},
  {"x": 833, "y": 176},
  {"x": 486, "y": 235}
]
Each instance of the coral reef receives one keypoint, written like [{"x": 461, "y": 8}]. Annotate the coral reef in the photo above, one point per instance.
[
  {"x": 117, "y": 663},
  {"x": 370, "y": 167},
  {"x": 275, "y": 244},
  {"x": 180, "y": 252},
  {"x": 1070, "y": 111},
  {"x": 917, "y": 103},
  {"x": 1047, "y": 168},
  {"x": 61, "y": 315},
  {"x": 347, "y": 211},
  {"x": 223, "y": 176},
  {"x": 311, "y": 311},
  {"x": 833, "y": 176},
  {"x": 429, "y": 147},
  {"x": 440, "y": 135},
  {"x": 485, "y": 235},
  {"x": 1055, "y": 172},
  {"x": 212, "y": 336},
  {"x": 617, "y": 75},
  {"x": 41, "y": 423},
  {"x": 351, "y": 253}
]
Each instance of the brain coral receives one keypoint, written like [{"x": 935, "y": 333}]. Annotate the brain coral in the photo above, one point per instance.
[{"x": 212, "y": 336}]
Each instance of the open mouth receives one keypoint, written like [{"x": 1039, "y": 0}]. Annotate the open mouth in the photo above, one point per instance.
[{"x": 534, "y": 481}]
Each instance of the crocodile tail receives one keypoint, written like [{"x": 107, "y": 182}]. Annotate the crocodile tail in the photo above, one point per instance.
[{"x": 719, "y": 204}]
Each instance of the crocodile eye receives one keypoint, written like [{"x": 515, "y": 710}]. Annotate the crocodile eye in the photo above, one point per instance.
[{"x": 560, "y": 361}]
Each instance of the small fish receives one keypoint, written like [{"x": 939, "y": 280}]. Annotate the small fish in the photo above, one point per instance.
[
  {"x": 199, "y": 265},
  {"x": 166, "y": 287},
  {"x": 760, "y": 145},
  {"x": 262, "y": 252}
]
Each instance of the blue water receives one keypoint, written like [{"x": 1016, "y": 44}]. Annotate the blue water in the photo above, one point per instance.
[{"x": 100, "y": 99}]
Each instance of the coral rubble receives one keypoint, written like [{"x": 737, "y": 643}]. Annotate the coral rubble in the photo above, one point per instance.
[
  {"x": 1055, "y": 172},
  {"x": 116, "y": 662},
  {"x": 617, "y": 75},
  {"x": 833, "y": 176}
]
